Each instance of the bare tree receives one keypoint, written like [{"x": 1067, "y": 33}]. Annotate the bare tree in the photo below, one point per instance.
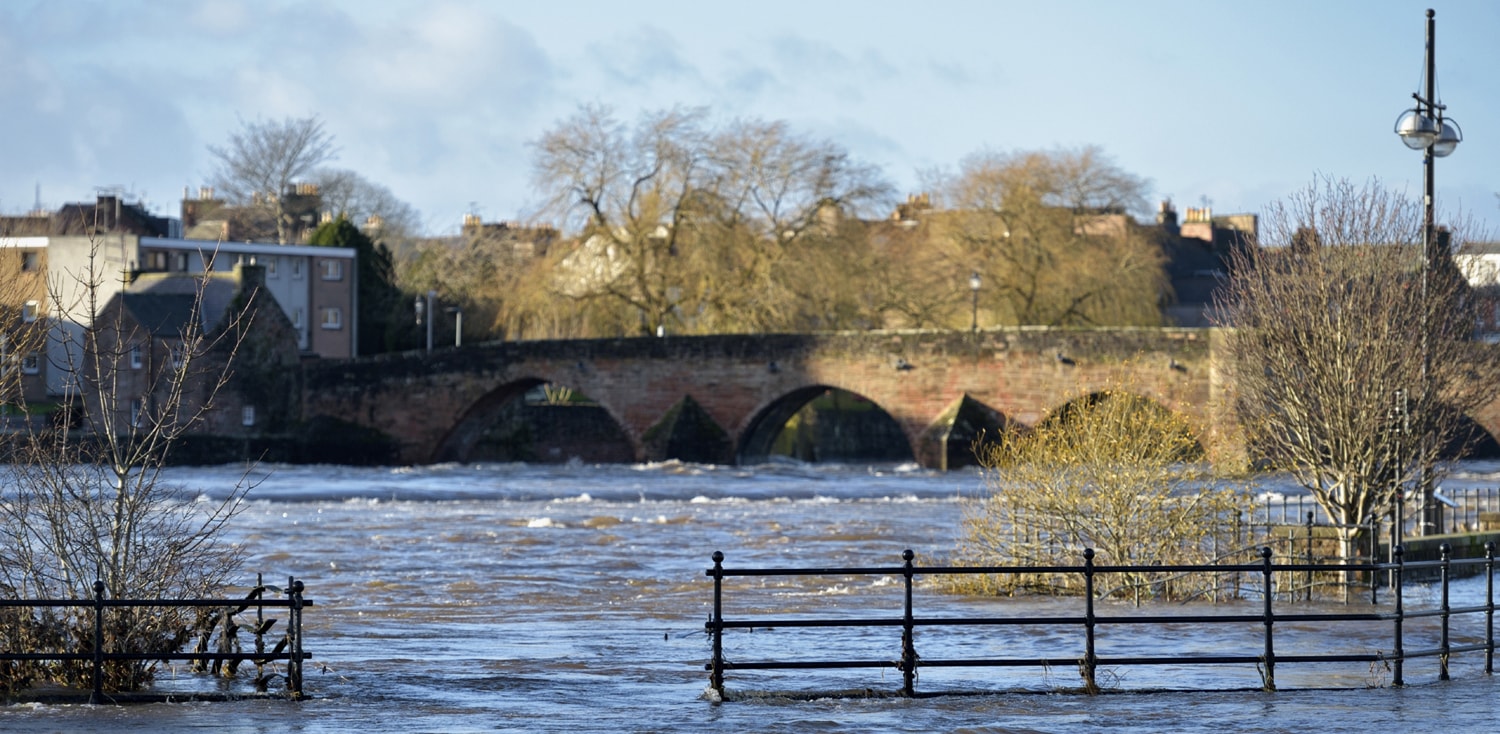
[
  {"x": 706, "y": 229},
  {"x": 1051, "y": 235},
  {"x": 1351, "y": 363},
  {"x": 88, "y": 500},
  {"x": 263, "y": 160},
  {"x": 628, "y": 192},
  {"x": 370, "y": 205}
]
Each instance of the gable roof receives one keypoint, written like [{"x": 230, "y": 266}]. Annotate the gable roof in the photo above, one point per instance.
[{"x": 160, "y": 314}]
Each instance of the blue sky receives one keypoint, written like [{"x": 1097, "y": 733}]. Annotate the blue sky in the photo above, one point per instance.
[{"x": 1231, "y": 105}]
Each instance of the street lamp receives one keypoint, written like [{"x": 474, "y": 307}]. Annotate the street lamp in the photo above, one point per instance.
[
  {"x": 458, "y": 325},
  {"x": 974, "y": 314},
  {"x": 1425, "y": 128},
  {"x": 425, "y": 313}
]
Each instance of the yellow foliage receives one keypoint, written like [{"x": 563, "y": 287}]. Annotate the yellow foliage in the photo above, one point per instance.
[{"x": 1113, "y": 472}]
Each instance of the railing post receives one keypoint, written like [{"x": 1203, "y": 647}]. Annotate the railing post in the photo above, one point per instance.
[
  {"x": 1267, "y": 589},
  {"x": 294, "y": 630},
  {"x": 260, "y": 631},
  {"x": 1398, "y": 557},
  {"x": 1307, "y": 575},
  {"x": 1489, "y": 608},
  {"x": 716, "y": 628},
  {"x": 1090, "y": 661},
  {"x": 97, "y": 696},
  {"x": 1447, "y": 551},
  {"x": 908, "y": 641}
]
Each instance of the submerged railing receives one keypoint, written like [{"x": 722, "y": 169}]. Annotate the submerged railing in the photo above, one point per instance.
[
  {"x": 288, "y": 649},
  {"x": 908, "y": 661}
]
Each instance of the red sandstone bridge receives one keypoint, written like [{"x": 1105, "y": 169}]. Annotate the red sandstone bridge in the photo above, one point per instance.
[{"x": 725, "y": 398}]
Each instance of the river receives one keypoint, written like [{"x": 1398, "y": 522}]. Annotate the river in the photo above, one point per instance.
[{"x": 528, "y": 598}]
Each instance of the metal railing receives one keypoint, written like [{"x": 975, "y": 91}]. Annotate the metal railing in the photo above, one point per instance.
[
  {"x": 289, "y": 649},
  {"x": 1470, "y": 509},
  {"x": 908, "y": 662}
]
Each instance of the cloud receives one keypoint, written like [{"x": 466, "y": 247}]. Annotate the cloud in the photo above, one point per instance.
[{"x": 641, "y": 59}]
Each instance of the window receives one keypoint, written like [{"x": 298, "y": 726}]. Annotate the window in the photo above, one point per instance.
[
  {"x": 247, "y": 415},
  {"x": 135, "y": 356},
  {"x": 297, "y": 269},
  {"x": 29, "y": 311},
  {"x": 137, "y": 412},
  {"x": 156, "y": 260},
  {"x": 179, "y": 354},
  {"x": 29, "y": 261},
  {"x": 297, "y": 318},
  {"x": 333, "y": 269},
  {"x": 271, "y": 266},
  {"x": 31, "y": 364},
  {"x": 182, "y": 262},
  {"x": 333, "y": 318}
]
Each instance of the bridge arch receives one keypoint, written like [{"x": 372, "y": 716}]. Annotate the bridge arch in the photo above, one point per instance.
[
  {"x": 878, "y": 430},
  {"x": 1472, "y": 440},
  {"x": 599, "y": 436}
]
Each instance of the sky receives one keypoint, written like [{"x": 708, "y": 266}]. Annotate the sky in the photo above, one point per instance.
[{"x": 1230, "y": 105}]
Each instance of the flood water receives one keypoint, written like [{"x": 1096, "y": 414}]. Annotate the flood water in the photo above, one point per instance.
[{"x": 522, "y": 598}]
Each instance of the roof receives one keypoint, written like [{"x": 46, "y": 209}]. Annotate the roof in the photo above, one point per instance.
[
  {"x": 246, "y": 248},
  {"x": 161, "y": 314},
  {"x": 163, "y": 302}
]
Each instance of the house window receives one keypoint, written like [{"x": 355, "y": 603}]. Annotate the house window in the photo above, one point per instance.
[
  {"x": 156, "y": 260},
  {"x": 182, "y": 262},
  {"x": 271, "y": 266},
  {"x": 247, "y": 415},
  {"x": 135, "y": 356},
  {"x": 29, "y": 261},
  {"x": 137, "y": 412},
  {"x": 179, "y": 354},
  {"x": 31, "y": 364},
  {"x": 29, "y": 311},
  {"x": 297, "y": 269},
  {"x": 333, "y": 318},
  {"x": 333, "y": 269},
  {"x": 297, "y": 318}
]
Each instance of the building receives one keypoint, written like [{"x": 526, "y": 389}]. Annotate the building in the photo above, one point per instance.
[
  {"x": 160, "y": 356},
  {"x": 1480, "y": 264},
  {"x": 1198, "y": 250},
  {"x": 109, "y": 213},
  {"x": 315, "y": 287},
  {"x": 23, "y": 295}
]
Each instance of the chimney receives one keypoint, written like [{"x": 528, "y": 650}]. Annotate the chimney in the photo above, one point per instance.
[{"x": 250, "y": 276}]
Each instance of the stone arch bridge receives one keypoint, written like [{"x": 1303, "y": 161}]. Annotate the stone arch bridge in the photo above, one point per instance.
[{"x": 667, "y": 394}]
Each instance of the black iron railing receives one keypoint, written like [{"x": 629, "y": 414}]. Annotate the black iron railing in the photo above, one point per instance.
[
  {"x": 1265, "y": 659},
  {"x": 288, "y": 649}
]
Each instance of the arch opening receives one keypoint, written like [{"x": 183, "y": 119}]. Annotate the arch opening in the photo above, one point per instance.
[
  {"x": 821, "y": 423},
  {"x": 536, "y": 421},
  {"x": 1471, "y": 441}
]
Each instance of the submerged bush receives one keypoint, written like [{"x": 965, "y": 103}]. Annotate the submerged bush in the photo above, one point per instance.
[{"x": 1114, "y": 472}]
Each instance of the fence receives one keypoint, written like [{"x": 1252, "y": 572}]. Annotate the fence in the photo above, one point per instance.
[
  {"x": 288, "y": 649},
  {"x": 1467, "y": 510},
  {"x": 1267, "y": 658}
]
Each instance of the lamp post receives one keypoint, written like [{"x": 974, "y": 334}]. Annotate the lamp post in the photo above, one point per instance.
[
  {"x": 974, "y": 284},
  {"x": 1424, "y": 127},
  {"x": 425, "y": 314},
  {"x": 458, "y": 325}
]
